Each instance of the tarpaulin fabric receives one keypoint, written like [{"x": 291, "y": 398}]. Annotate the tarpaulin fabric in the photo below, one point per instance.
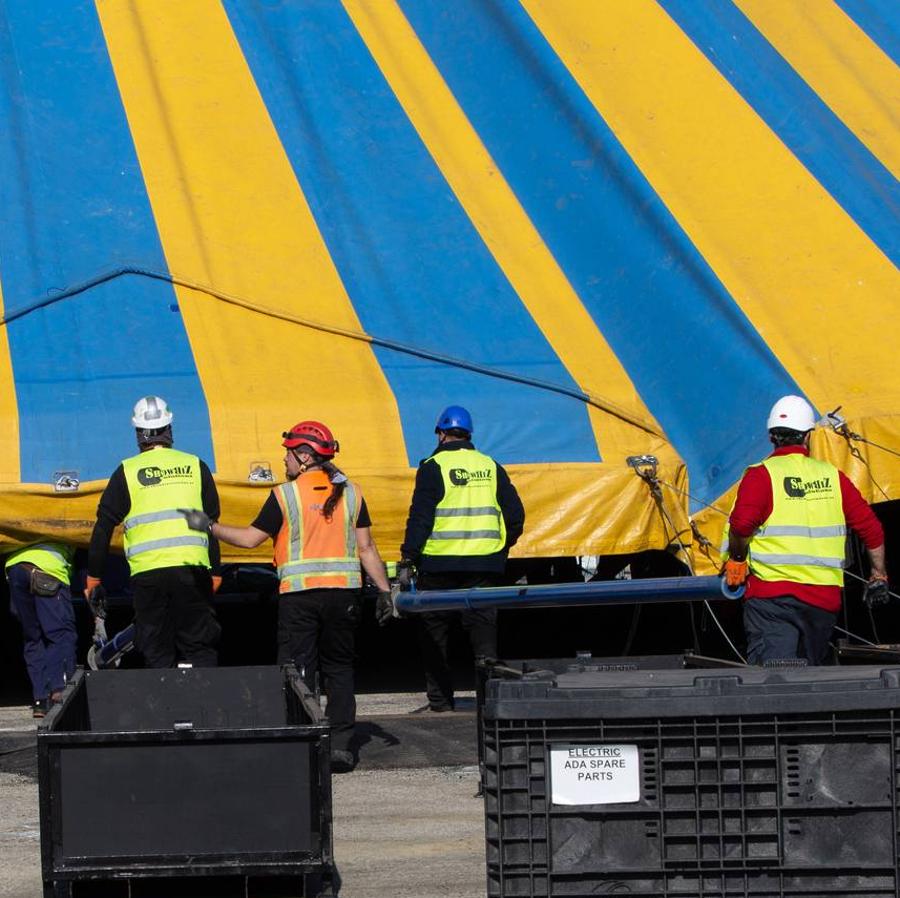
[{"x": 608, "y": 229}]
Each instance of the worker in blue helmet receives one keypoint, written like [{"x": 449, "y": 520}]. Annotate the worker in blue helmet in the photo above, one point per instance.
[
  {"x": 464, "y": 516},
  {"x": 454, "y": 417}
]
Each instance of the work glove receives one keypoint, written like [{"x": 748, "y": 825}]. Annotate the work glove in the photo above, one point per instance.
[
  {"x": 384, "y": 608},
  {"x": 877, "y": 591},
  {"x": 735, "y": 573},
  {"x": 95, "y": 593},
  {"x": 406, "y": 574},
  {"x": 196, "y": 519}
]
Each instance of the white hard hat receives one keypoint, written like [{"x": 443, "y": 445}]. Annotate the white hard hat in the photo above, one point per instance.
[
  {"x": 151, "y": 413},
  {"x": 792, "y": 412}
]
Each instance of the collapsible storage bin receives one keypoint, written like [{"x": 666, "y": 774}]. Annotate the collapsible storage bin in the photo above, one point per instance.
[
  {"x": 583, "y": 662},
  {"x": 185, "y": 782},
  {"x": 698, "y": 784}
]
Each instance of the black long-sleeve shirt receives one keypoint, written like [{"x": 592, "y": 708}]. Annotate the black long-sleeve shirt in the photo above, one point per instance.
[
  {"x": 429, "y": 491},
  {"x": 115, "y": 503}
]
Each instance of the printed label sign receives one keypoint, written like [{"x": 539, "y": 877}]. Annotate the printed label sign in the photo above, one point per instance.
[{"x": 594, "y": 774}]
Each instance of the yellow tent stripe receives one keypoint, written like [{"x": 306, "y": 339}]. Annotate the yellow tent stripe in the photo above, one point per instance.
[
  {"x": 808, "y": 278},
  {"x": 496, "y": 213},
  {"x": 852, "y": 75},
  {"x": 231, "y": 214},
  {"x": 9, "y": 411}
]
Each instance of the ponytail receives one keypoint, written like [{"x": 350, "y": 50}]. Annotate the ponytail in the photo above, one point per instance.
[
  {"x": 338, "y": 484},
  {"x": 337, "y": 477}
]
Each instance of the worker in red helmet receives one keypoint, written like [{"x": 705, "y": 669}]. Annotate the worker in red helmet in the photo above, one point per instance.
[
  {"x": 785, "y": 541},
  {"x": 321, "y": 528}
]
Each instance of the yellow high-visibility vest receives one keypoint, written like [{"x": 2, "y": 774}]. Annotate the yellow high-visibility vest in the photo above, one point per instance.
[
  {"x": 468, "y": 519},
  {"x": 52, "y": 558},
  {"x": 803, "y": 540},
  {"x": 160, "y": 481}
]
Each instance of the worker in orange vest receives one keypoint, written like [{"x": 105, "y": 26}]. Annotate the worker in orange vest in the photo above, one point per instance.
[{"x": 322, "y": 532}]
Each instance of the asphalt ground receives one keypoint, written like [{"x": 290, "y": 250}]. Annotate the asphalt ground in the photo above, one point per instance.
[{"x": 407, "y": 821}]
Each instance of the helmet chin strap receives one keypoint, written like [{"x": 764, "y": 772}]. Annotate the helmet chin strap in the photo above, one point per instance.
[{"x": 303, "y": 467}]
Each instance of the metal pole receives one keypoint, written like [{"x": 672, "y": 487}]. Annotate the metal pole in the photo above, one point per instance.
[{"x": 559, "y": 595}]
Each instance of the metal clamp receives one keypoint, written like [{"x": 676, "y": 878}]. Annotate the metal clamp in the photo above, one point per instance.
[
  {"x": 645, "y": 467},
  {"x": 644, "y": 464},
  {"x": 838, "y": 424}
]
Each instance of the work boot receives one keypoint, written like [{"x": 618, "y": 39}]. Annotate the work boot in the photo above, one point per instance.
[
  {"x": 39, "y": 708},
  {"x": 342, "y": 761}
]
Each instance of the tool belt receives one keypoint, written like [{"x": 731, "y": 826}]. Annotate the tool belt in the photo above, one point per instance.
[{"x": 43, "y": 584}]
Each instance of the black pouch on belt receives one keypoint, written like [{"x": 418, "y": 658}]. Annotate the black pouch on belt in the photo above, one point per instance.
[{"x": 43, "y": 584}]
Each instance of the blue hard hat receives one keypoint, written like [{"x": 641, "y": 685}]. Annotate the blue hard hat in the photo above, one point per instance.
[{"x": 454, "y": 417}]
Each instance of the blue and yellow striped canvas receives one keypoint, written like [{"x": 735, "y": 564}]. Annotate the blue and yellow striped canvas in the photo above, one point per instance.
[{"x": 607, "y": 228}]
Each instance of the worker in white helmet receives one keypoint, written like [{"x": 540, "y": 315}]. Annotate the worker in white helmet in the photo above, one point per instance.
[
  {"x": 786, "y": 542},
  {"x": 174, "y": 570}
]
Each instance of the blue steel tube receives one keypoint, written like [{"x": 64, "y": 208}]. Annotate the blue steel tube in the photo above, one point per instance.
[
  {"x": 559, "y": 595},
  {"x": 110, "y": 652}
]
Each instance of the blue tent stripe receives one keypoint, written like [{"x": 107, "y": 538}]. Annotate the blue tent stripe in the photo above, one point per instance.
[
  {"x": 829, "y": 150},
  {"x": 880, "y": 19},
  {"x": 686, "y": 345},
  {"x": 413, "y": 264},
  {"x": 73, "y": 205}
]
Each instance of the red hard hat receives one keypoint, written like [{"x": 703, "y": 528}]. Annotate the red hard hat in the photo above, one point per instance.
[{"x": 313, "y": 434}]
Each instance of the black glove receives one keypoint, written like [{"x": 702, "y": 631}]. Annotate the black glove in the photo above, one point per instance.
[
  {"x": 384, "y": 608},
  {"x": 196, "y": 519},
  {"x": 406, "y": 574},
  {"x": 877, "y": 592},
  {"x": 96, "y": 600}
]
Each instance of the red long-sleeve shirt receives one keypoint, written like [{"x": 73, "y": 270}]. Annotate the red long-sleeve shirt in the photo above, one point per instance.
[{"x": 753, "y": 507}]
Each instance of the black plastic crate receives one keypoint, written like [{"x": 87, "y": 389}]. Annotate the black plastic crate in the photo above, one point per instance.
[
  {"x": 706, "y": 784},
  {"x": 186, "y": 782},
  {"x": 583, "y": 662}
]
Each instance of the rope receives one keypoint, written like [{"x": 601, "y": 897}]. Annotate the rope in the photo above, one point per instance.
[
  {"x": 854, "y": 636},
  {"x": 280, "y": 314},
  {"x": 715, "y": 620},
  {"x": 839, "y": 426},
  {"x": 702, "y": 502},
  {"x": 847, "y": 573},
  {"x": 647, "y": 473}
]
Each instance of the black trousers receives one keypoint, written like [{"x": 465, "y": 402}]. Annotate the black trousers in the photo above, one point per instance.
[
  {"x": 173, "y": 617},
  {"x": 785, "y": 627},
  {"x": 480, "y": 625},
  {"x": 317, "y": 633}
]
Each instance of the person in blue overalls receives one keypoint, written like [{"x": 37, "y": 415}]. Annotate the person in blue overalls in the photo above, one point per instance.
[{"x": 39, "y": 578}]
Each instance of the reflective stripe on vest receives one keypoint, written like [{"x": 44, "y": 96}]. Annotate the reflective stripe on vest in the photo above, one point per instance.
[
  {"x": 54, "y": 559},
  {"x": 468, "y": 519},
  {"x": 136, "y": 520},
  {"x": 167, "y": 542},
  {"x": 803, "y": 541},
  {"x": 325, "y": 566},
  {"x": 312, "y": 552},
  {"x": 809, "y": 532},
  {"x": 772, "y": 558},
  {"x": 160, "y": 481},
  {"x": 837, "y": 530}
]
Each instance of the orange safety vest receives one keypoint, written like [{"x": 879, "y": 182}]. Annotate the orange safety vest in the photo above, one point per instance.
[{"x": 312, "y": 552}]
